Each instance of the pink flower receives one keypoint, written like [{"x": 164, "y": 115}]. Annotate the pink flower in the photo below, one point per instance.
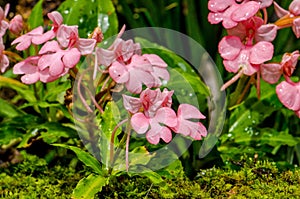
[
  {"x": 271, "y": 72},
  {"x": 165, "y": 117},
  {"x": 68, "y": 37},
  {"x": 184, "y": 126},
  {"x": 289, "y": 95},
  {"x": 25, "y": 40},
  {"x": 134, "y": 74},
  {"x": 16, "y": 25},
  {"x": 120, "y": 50},
  {"x": 4, "y": 61},
  {"x": 229, "y": 12},
  {"x": 32, "y": 73},
  {"x": 56, "y": 59},
  {"x": 3, "y": 24},
  {"x": 238, "y": 56},
  {"x": 57, "y": 20},
  {"x": 157, "y": 116},
  {"x": 254, "y": 28}
]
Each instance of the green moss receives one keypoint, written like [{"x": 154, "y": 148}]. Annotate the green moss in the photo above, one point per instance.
[{"x": 34, "y": 178}]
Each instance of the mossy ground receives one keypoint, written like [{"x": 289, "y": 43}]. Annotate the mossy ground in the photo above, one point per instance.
[{"x": 35, "y": 178}]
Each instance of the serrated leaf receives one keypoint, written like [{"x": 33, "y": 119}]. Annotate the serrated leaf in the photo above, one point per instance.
[
  {"x": 85, "y": 157},
  {"x": 89, "y": 186},
  {"x": 36, "y": 17}
]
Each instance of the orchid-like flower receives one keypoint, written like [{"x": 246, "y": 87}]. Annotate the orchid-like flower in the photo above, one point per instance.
[
  {"x": 289, "y": 18},
  {"x": 254, "y": 29},
  {"x": 156, "y": 118},
  {"x": 184, "y": 126},
  {"x": 68, "y": 37},
  {"x": 56, "y": 59},
  {"x": 24, "y": 41},
  {"x": 153, "y": 115},
  {"x": 229, "y": 12},
  {"x": 289, "y": 95},
  {"x": 31, "y": 71},
  {"x": 146, "y": 69},
  {"x": 271, "y": 72}
]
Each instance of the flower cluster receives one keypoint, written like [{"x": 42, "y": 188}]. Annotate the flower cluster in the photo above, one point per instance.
[
  {"x": 59, "y": 50},
  {"x": 248, "y": 46}
]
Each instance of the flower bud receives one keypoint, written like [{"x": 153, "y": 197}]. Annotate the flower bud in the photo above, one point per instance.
[{"x": 16, "y": 25}]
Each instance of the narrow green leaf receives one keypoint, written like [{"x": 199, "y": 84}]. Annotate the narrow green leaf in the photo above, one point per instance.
[
  {"x": 89, "y": 186},
  {"x": 8, "y": 110},
  {"x": 88, "y": 159},
  {"x": 36, "y": 17}
]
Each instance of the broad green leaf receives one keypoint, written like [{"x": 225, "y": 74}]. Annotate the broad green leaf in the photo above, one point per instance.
[
  {"x": 89, "y": 186},
  {"x": 109, "y": 119},
  {"x": 88, "y": 14},
  {"x": 275, "y": 138},
  {"x": 53, "y": 131},
  {"x": 36, "y": 17},
  {"x": 85, "y": 157}
]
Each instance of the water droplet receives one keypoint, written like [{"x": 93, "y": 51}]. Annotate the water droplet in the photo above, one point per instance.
[
  {"x": 229, "y": 135},
  {"x": 66, "y": 12}
]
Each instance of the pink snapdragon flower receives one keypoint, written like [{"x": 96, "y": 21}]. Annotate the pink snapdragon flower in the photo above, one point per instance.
[
  {"x": 16, "y": 25},
  {"x": 3, "y": 23},
  {"x": 289, "y": 95},
  {"x": 146, "y": 69},
  {"x": 289, "y": 18},
  {"x": 229, "y": 12},
  {"x": 271, "y": 72},
  {"x": 31, "y": 71},
  {"x": 184, "y": 126},
  {"x": 4, "y": 61}
]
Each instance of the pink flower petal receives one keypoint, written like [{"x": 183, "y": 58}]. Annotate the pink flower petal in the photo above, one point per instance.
[
  {"x": 219, "y": 5},
  {"x": 86, "y": 46},
  {"x": 49, "y": 47},
  {"x": 230, "y": 47},
  {"x": 296, "y": 27},
  {"x": 56, "y": 18},
  {"x": 155, "y": 60},
  {"x": 71, "y": 57},
  {"x": 188, "y": 111},
  {"x": 118, "y": 72},
  {"x": 139, "y": 123},
  {"x": 131, "y": 104},
  {"x": 271, "y": 72},
  {"x": 266, "y": 32},
  {"x": 136, "y": 78},
  {"x": 245, "y": 11},
  {"x": 105, "y": 57},
  {"x": 289, "y": 95},
  {"x": 30, "y": 78},
  {"x": 40, "y": 39},
  {"x": 294, "y": 7},
  {"x": 280, "y": 12},
  {"x": 261, "y": 52},
  {"x": 167, "y": 116}
]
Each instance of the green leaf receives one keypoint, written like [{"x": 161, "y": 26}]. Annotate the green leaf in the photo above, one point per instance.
[
  {"x": 9, "y": 110},
  {"x": 85, "y": 157},
  {"x": 89, "y": 186},
  {"x": 88, "y": 14},
  {"x": 36, "y": 17}
]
